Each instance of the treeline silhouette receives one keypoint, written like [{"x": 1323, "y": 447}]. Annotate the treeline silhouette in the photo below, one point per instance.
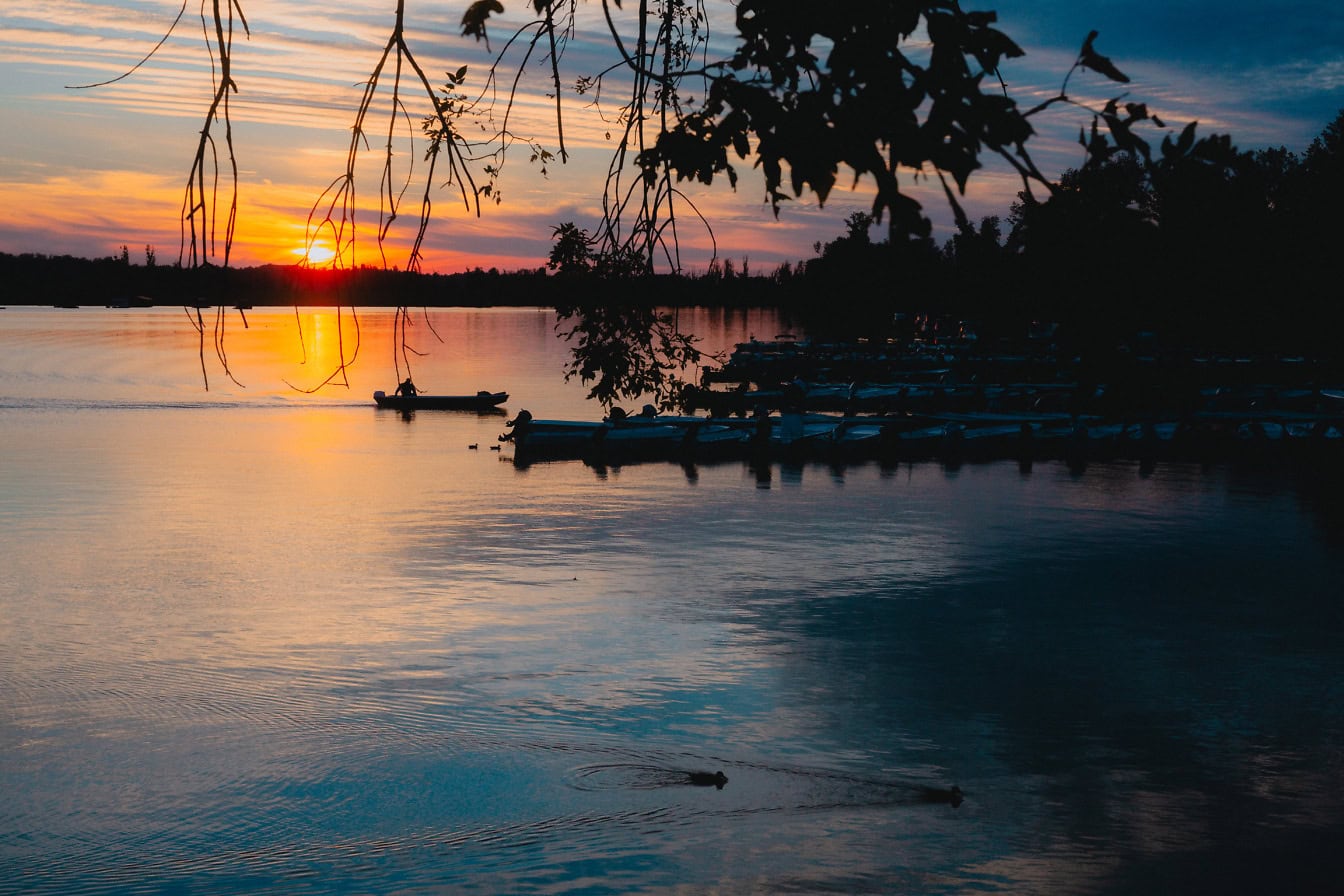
[
  {"x": 67, "y": 280},
  {"x": 1220, "y": 248}
]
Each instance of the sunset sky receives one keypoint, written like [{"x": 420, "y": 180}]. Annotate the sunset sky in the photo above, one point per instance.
[{"x": 83, "y": 172}]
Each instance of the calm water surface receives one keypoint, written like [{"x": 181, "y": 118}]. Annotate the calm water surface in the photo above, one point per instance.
[{"x": 253, "y": 640}]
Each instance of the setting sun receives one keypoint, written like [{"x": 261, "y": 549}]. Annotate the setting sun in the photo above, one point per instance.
[{"x": 317, "y": 255}]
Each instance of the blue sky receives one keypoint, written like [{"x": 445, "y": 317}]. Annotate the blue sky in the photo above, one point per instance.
[
  {"x": 85, "y": 171},
  {"x": 1269, "y": 73}
]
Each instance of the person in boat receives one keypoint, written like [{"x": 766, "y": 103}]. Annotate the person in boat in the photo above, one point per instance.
[{"x": 406, "y": 389}]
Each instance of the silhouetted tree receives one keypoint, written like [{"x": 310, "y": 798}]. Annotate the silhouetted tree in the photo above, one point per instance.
[
  {"x": 1099, "y": 209},
  {"x": 571, "y": 253},
  {"x": 971, "y": 247},
  {"x": 857, "y": 226},
  {"x": 1312, "y": 230},
  {"x": 1325, "y": 157},
  {"x": 1320, "y": 188}
]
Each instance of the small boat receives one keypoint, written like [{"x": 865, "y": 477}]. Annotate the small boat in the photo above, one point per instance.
[
  {"x": 928, "y": 440},
  {"x": 649, "y": 438},
  {"x": 853, "y": 439},
  {"x": 561, "y": 437},
  {"x": 998, "y": 440},
  {"x": 794, "y": 430},
  {"x": 481, "y": 401},
  {"x": 132, "y": 302}
]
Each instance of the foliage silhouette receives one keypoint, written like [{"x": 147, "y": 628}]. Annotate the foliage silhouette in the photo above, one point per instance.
[{"x": 881, "y": 93}]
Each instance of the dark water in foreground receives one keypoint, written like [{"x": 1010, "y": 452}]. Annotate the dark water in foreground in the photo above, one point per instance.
[{"x": 252, "y": 641}]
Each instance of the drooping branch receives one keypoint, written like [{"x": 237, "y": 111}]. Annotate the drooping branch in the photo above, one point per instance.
[
  {"x": 341, "y": 374},
  {"x": 200, "y": 205},
  {"x": 220, "y": 353},
  {"x": 150, "y": 55},
  {"x": 402, "y": 350},
  {"x": 336, "y": 210},
  {"x": 640, "y": 206},
  {"x": 337, "y": 203},
  {"x": 199, "y": 325}
]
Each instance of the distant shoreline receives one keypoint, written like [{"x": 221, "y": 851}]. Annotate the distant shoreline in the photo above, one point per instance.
[
  {"x": 63, "y": 281},
  {"x": 836, "y": 302}
]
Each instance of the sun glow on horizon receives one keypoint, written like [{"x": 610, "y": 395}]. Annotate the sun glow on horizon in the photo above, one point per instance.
[{"x": 317, "y": 255}]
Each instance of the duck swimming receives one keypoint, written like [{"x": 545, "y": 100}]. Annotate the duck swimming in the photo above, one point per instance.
[
  {"x": 705, "y": 779},
  {"x": 950, "y": 795}
]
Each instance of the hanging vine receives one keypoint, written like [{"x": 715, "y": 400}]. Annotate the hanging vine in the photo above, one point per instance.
[
  {"x": 639, "y": 206},
  {"x": 200, "y": 204}
]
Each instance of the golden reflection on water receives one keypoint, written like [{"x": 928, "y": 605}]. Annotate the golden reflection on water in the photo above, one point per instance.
[{"x": 155, "y": 355}]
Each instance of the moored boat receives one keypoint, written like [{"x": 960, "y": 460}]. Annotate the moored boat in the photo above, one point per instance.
[
  {"x": 577, "y": 438},
  {"x": 985, "y": 436}
]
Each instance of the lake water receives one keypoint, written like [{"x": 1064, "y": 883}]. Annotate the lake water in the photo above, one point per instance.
[{"x": 254, "y": 640}]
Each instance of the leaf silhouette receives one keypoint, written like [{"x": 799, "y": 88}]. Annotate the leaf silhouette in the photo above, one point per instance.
[
  {"x": 1090, "y": 58},
  {"x": 473, "y": 20}
]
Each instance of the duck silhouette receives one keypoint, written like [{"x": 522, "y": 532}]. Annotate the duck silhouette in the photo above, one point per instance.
[
  {"x": 708, "y": 779},
  {"x": 950, "y": 795}
]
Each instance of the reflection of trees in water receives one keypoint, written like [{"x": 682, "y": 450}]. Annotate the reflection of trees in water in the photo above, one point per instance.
[
  {"x": 1137, "y": 685},
  {"x": 1320, "y": 489}
]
